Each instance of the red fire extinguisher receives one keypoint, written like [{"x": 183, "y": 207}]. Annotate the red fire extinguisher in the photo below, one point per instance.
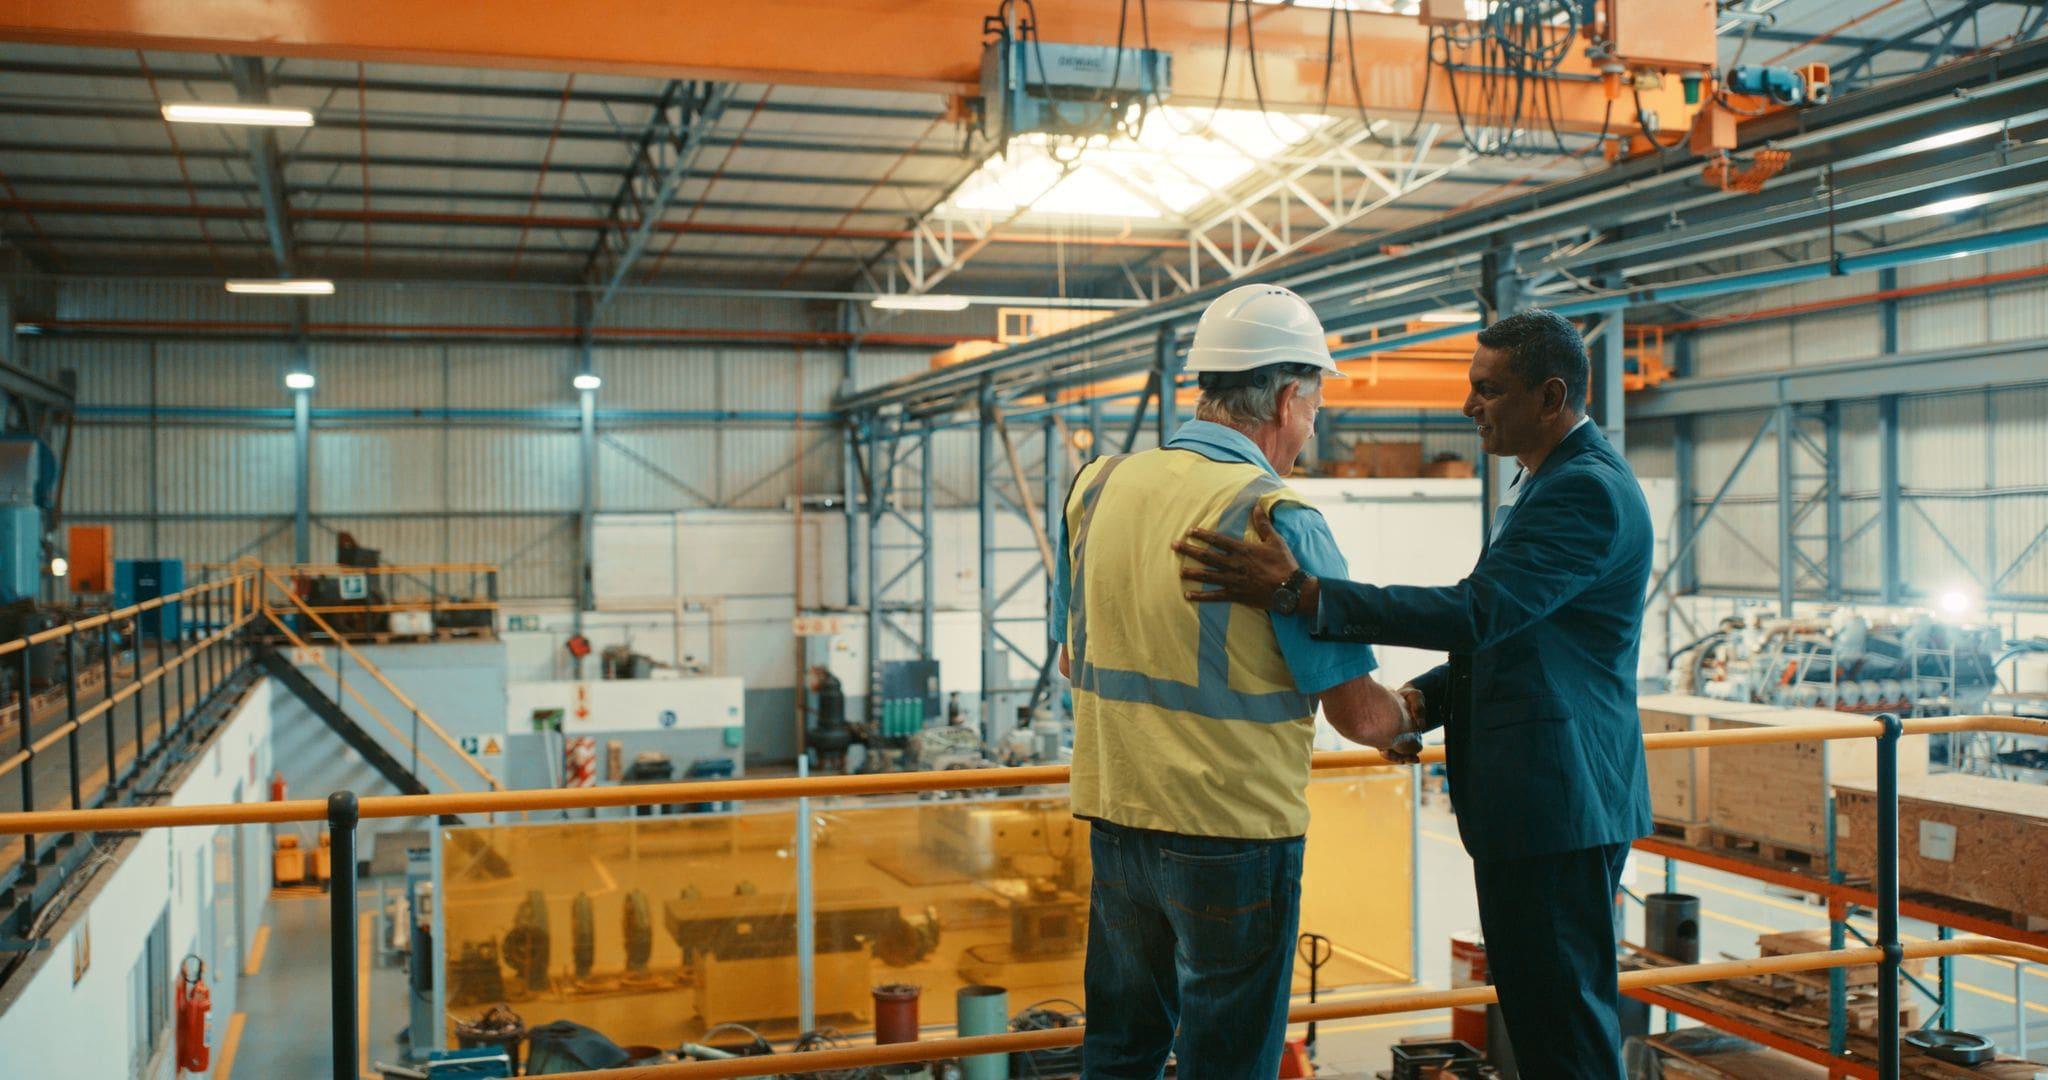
[
  {"x": 195, "y": 1026},
  {"x": 277, "y": 787}
]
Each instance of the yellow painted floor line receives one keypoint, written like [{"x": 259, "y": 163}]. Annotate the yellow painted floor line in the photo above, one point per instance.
[
  {"x": 1442, "y": 838},
  {"x": 255, "y": 962},
  {"x": 366, "y": 929},
  {"x": 1432, "y": 1018},
  {"x": 224, "y": 1065},
  {"x": 1744, "y": 923}
]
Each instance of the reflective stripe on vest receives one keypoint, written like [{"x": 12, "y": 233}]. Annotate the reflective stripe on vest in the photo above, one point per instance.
[{"x": 1212, "y": 696}]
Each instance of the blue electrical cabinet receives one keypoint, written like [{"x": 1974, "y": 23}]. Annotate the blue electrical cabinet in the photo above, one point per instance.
[{"x": 136, "y": 580}]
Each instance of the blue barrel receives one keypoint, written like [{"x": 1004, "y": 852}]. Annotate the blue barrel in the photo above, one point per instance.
[{"x": 984, "y": 1010}]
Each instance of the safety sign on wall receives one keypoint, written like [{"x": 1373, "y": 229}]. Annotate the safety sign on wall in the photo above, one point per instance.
[
  {"x": 482, "y": 745},
  {"x": 354, "y": 586}
]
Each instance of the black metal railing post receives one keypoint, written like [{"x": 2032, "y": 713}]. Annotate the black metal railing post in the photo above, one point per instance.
[
  {"x": 341, "y": 930},
  {"x": 107, "y": 692},
  {"x": 135, "y": 676},
  {"x": 1888, "y": 897},
  {"x": 27, "y": 769},
  {"x": 211, "y": 608},
  {"x": 163, "y": 681},
  {"x": 178, "y": 710},
  {"x": 71, "y": 714}
]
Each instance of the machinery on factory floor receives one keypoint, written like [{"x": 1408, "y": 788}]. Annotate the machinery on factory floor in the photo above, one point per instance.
[{"x": 1846, "y": 660}]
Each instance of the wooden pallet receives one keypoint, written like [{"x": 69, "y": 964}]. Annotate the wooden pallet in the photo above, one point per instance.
[
  {"x": 1691, "y": 833},
  {"x": 1765, "y": 850}
]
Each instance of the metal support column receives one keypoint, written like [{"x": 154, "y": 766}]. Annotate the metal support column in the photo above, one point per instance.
[
  {"x": 928, "y": 567},
  {"x": 302, "y": 479},
  {"x": 806, "y": 911},
  {"x": 1054, "y": 506},
  {"x": 1888, "y": 498},
  {"x": 987, "y": 461},
  {"x": 586, "y": 514},
  {"x": 1831, "y": 475},
  {"x": 341, "y": 933},
  {"x": 1888, "y": 898},
  {"x": 1788, "y": 572},
  {"x": 871, "y": 507},
  {"x": 1888, "y": 311},
  {"x": 1166, "y": 361},
  {"x": 1609, "y": 364},
  {"x": 1683, "y": 468}
]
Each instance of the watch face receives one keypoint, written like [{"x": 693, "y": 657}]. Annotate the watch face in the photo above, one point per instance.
[{"x": 1285, "y": 600}]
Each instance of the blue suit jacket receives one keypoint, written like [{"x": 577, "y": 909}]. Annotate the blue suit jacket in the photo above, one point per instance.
[{"x": 1538, "y": 701}]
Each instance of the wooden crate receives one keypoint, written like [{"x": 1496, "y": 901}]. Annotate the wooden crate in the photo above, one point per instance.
[
  {"x": 1678, "y": 778},
  {"x": 1777, "y": 794},
  {"x": 1968, "y": 838}
]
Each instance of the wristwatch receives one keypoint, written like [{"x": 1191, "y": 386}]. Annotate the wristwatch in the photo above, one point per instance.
[{"x": 1288, "y": 596}]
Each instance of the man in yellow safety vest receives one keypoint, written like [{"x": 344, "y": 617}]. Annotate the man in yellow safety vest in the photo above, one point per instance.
[{"x": 1193, "y": 724}]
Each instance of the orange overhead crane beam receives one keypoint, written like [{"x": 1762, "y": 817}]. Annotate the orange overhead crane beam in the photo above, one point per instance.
[{"x": 931, "y": 46}]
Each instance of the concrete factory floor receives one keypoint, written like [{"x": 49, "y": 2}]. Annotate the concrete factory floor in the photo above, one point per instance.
[{"x": 283, "y": 1033}]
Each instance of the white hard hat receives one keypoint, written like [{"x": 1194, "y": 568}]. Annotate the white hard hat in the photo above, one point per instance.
[{"x": 1252, "y": 326}]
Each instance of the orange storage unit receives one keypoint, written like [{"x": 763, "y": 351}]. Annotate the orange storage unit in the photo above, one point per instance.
[{"x": 92, "y": 558}]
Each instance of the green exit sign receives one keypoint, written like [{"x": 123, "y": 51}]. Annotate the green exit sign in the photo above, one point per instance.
[{"x": 522, "y": 622}]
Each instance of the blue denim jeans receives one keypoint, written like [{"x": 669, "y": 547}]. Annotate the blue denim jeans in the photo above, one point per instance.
[{"x": 1190, "y": 948}]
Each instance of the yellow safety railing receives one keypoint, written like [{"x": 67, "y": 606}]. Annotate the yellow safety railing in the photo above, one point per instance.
[
  {"x": 816, "y": 787},
  {"x": 238, "y": 596},
  {"x": 428, "y": 577},
  {"x": 1420, "y": 1001},
  {"x": 343, "y": 811},
  {"x": 405, "y": 700}
]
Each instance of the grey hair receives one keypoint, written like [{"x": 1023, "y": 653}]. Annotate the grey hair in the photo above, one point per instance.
[{"x": 1255, "y": 403}]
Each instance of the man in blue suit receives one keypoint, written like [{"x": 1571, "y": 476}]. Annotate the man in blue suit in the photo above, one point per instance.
[{"x": 1538, "y": 701}]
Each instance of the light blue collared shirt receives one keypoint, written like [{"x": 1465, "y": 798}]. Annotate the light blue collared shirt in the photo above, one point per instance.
[{"x": 1316, "y": 665}]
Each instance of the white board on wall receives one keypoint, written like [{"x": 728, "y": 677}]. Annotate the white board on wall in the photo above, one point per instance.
[{"x": 606, "y": 705}]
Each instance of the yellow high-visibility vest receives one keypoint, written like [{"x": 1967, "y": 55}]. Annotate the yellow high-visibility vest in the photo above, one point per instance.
[{"x": 1186, "y": 718}]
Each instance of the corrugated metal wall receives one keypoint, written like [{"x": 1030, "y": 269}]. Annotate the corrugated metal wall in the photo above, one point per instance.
[
  {"x": 431, "y": 451},
  {"x": 1973, "y": 466}
]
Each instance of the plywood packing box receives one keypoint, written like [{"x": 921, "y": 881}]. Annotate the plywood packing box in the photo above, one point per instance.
[
  {"x": 1970, "y": 838},
  {"x": 1777, "y": 794},
  {"x": 1678, "y": 778}
]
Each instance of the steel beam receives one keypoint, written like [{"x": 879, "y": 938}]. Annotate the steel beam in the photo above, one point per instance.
[
  {"x": 1610, "y": 364},
  {"x": 987, "y": 461},
  {"x": 667, "y": 147},
  {"x": 1975, "y": 367},
  {"x": 916, "y": 46},
  {"x": 1891, "y": 536},
  {"x": 251, "y": 86},
  {"x": 1788, "y": 570},
  {"x": 302, "y": 477},
  {"x": 1856, "y": 124},
  {"x": 1166, "y": 364},
  {"x": 1831, "y": 473}
]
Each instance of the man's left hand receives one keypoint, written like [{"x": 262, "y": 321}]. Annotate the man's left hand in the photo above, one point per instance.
[{"x": 1244, "y": 572}]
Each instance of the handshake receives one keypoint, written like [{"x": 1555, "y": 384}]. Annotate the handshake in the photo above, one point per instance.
[{"x": 1406, "y": 746}]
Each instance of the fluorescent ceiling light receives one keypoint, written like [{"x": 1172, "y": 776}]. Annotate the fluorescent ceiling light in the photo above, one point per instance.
[
  {"x": 1950, "y": 138},
  {"x": 919, "y": 302},
  {"x": 1949, "y": 206},
  {"x": 1181, "y": 159},
  {"x": 257, "y": 115},
  {"x": 298, "y": 380},
  {"x": 1447, "y": 316},
  {"x": 286, "y": 287},
  {"x": 1957, "y": 602},
  {"x": 586, "y": 381}
]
